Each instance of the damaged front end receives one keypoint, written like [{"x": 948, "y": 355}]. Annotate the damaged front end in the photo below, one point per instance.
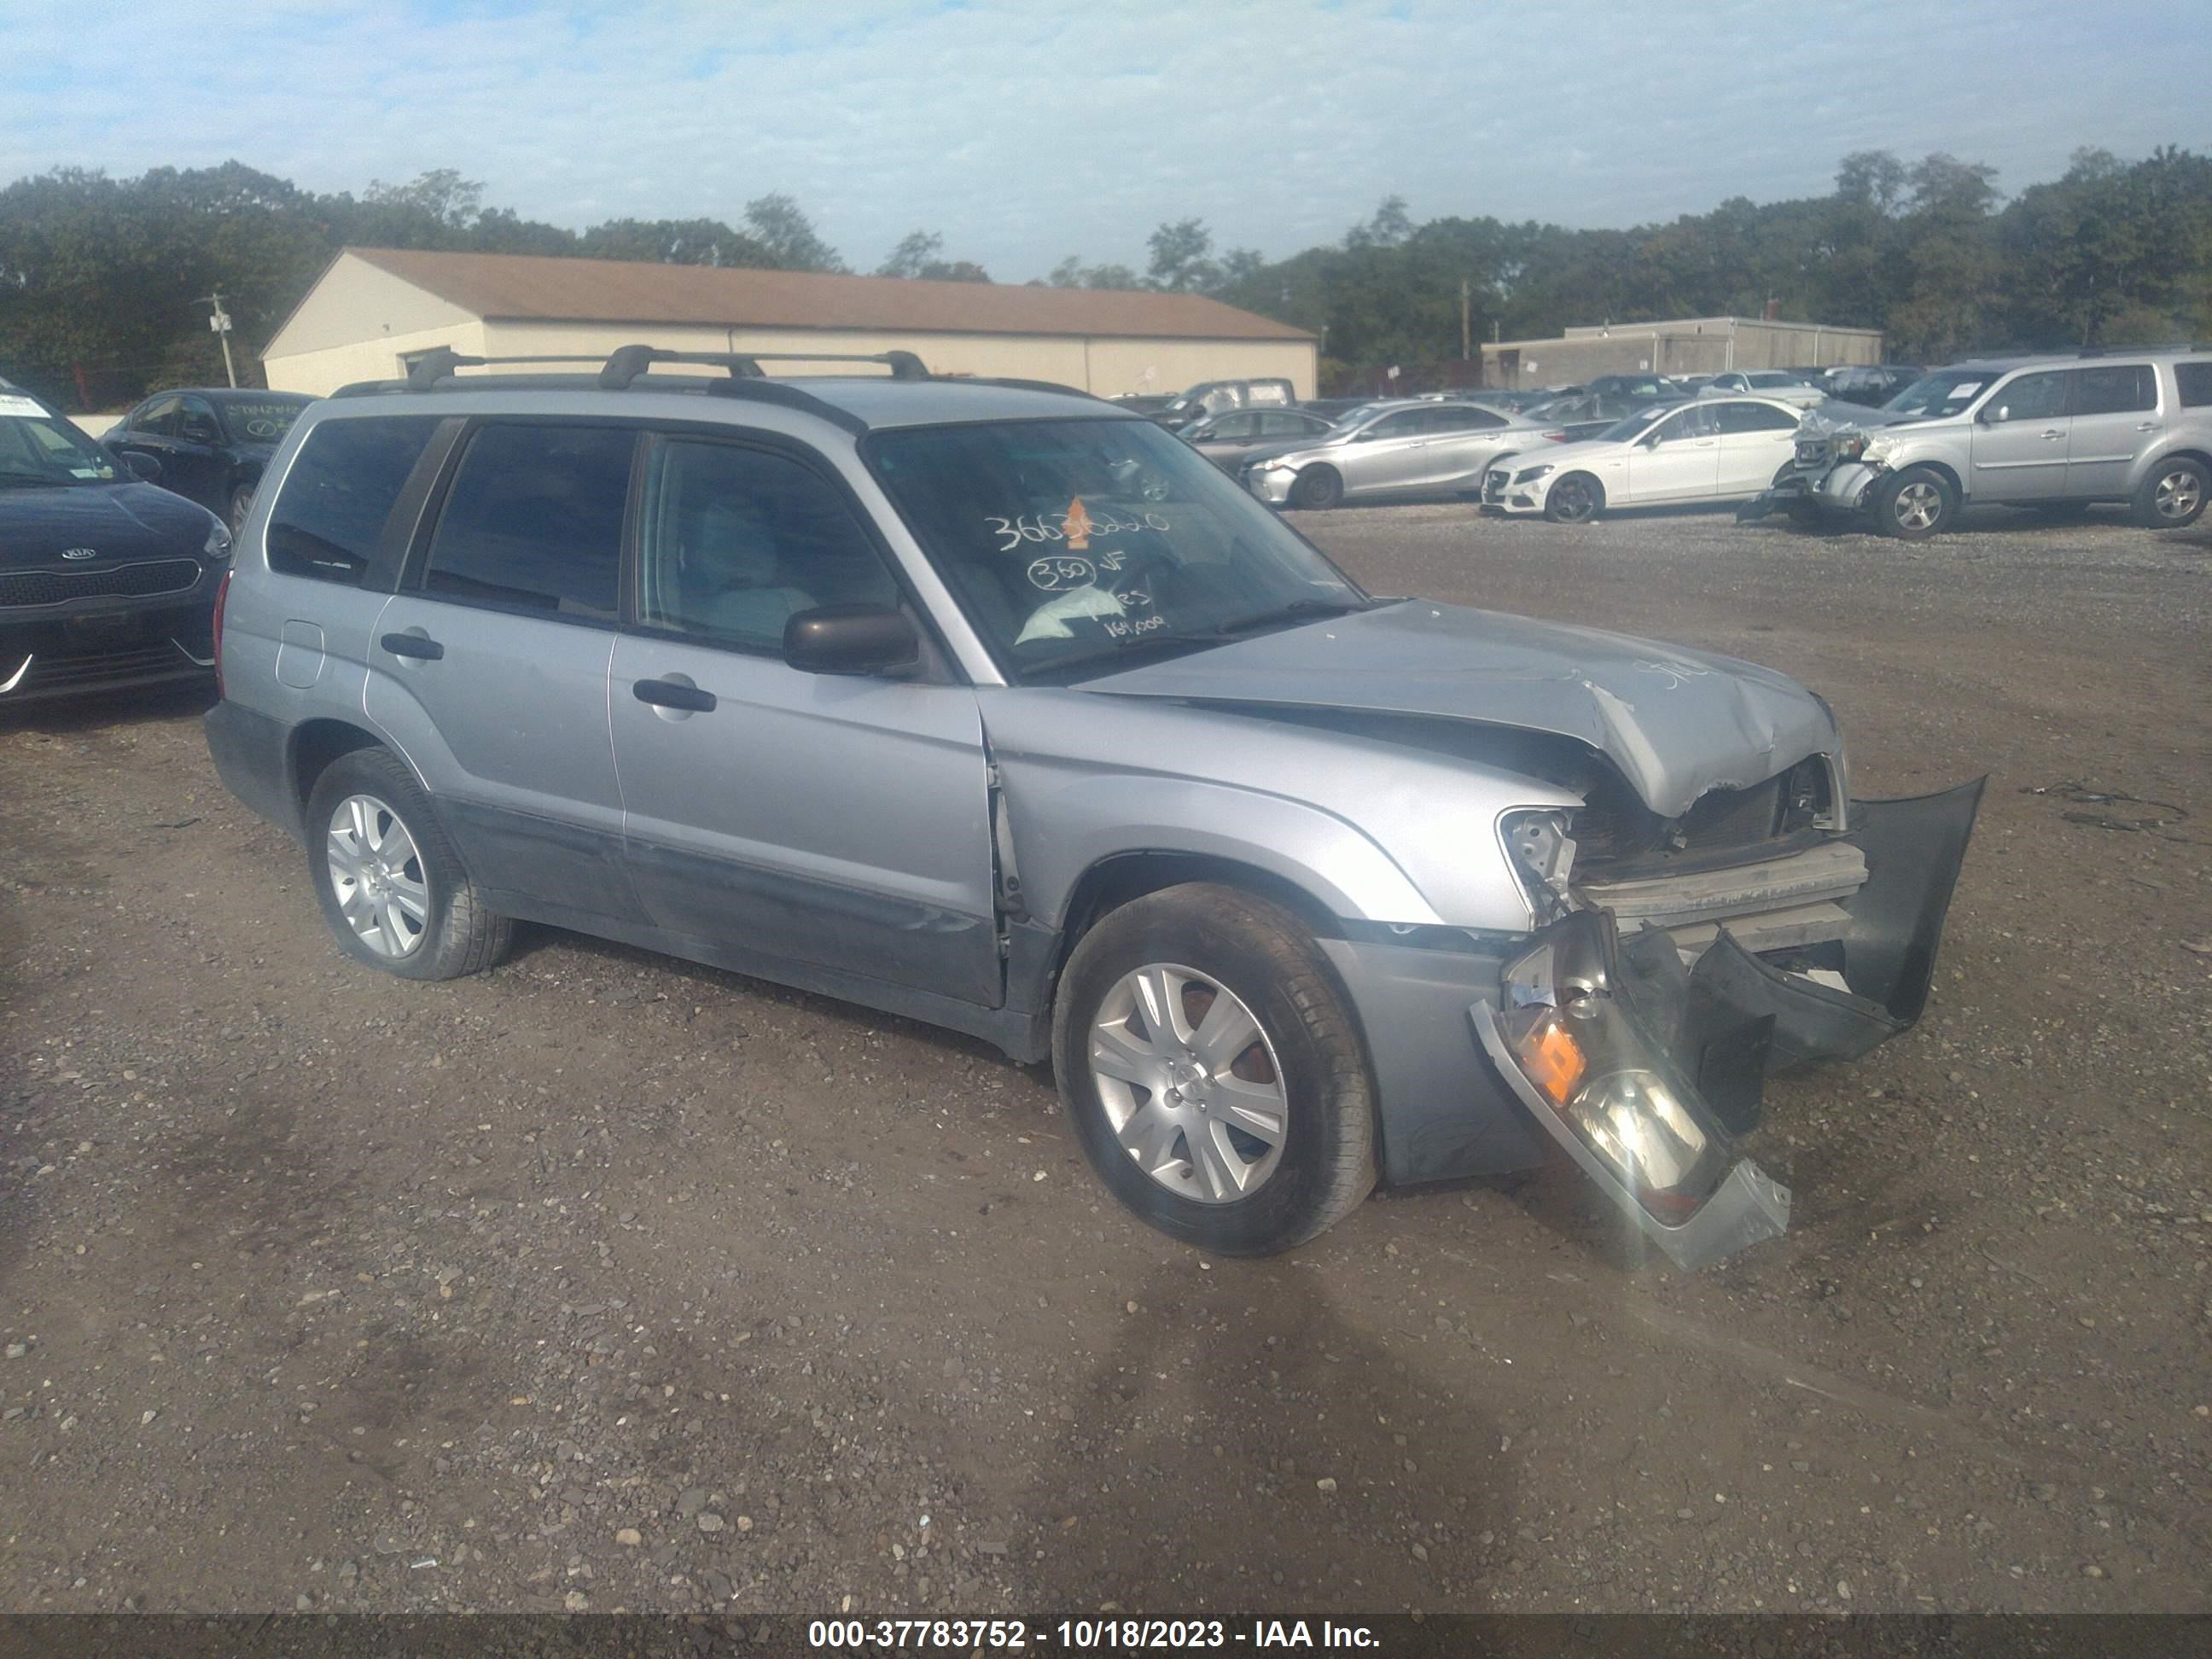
[
  {"x": 1831, "y": 471},
  {"x": 1647, "y": 1071}
]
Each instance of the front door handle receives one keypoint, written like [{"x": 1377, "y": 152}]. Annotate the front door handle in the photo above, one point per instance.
[
  {"x": 421, "y": 646},
  {"x": 667, "y": 694},
  {"x": 2052, "y": 437}
]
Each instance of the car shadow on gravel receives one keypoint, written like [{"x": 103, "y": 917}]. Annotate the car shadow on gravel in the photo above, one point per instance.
[
  {"x": 1245, "y": 1444},
  {"x": 108, "y": 711}
]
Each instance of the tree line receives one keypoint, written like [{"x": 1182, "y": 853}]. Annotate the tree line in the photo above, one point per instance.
[{"x": 103, "y": 280}]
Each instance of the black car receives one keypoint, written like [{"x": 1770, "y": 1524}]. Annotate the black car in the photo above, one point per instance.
[
  {"x": 105, "y": 581},
  {"x": 209, "y": 445}
]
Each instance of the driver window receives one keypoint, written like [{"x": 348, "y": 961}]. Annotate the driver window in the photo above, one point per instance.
[
  {"x": 738, "y": 541},
  {"x": 1403, "y": 424},
  {"x": 160, "y": 417},
  {"x": 2032, "y": 397},
  {"x": 1235, "y": 426}
]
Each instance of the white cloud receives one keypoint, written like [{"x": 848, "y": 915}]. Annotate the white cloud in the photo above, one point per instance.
[{"x": 1025, "y": 130}]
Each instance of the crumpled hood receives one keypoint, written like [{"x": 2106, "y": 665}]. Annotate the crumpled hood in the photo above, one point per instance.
[
  {"x": 1676, "y": 722},
  {"x": 119, "y": 521}
]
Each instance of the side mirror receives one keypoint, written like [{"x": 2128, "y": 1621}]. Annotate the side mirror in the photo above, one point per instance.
[
  {"x": 1993, "y": 414},
  {"x": 143, "y": 465},
  {"x": 851, "y": 639}
]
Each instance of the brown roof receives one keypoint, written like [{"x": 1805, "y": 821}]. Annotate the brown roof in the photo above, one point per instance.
[{"x": 517, "y": 286}]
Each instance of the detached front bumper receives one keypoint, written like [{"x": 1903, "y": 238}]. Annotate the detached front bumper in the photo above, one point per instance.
[
  {"x": 1646, "y": 1073},
  {"x": 1842, "y": 488}
]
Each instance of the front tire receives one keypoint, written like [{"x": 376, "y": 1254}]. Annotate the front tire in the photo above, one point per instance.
[
  {"x": 1213, "y": 1072},
  {"x": 1576, "y": 499},
  {"x": 2171, "y": 496},
  {"x": 391, "y": 886},
  {"x": 1317, "y": 488},
  {"x": 1915, "y": 504}
]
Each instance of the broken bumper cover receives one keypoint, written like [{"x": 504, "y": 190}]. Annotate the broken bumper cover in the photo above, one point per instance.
[
  {"x": 1841, "y": 489},
  {"x": 1646, "y": 1073}
]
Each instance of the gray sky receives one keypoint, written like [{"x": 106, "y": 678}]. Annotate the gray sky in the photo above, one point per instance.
[{"x": 1029, "y": 129}]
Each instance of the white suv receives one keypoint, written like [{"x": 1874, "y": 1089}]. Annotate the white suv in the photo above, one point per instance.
[{"x": 2054, "y": 434}]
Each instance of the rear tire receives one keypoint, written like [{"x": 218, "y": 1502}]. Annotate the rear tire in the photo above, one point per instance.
[
  {"x": 2171, "y": 496},
  {"x": 1914, "y": 504},
  {"x": 390, "y": 885},
  {"x": 241, "y": 503},
  {"x": 1178, "y": 953},
  {"x": 1576, "y": 499},
  {"x": 1317, "y": 488}
]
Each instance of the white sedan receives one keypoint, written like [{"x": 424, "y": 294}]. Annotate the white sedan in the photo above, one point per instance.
[{"x": 1712, "y": 449}]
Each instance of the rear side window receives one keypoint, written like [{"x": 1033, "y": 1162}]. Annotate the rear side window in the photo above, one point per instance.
[
  {"x": 2195, "y": 381},
  {"x": 533, "y": 521},
  {"x": 338, "y": 493},
  {"x": 2115, "y": 389},
  {"x": 1756, "y": 417}
]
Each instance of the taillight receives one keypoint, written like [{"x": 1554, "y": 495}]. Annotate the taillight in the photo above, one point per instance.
[
  {"x": 221, "y": 598},
  {"x": 1555, "y": 437}
]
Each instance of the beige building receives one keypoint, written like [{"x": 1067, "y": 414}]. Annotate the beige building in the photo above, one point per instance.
[
  {"x": 1692, "y": 345},
  {"x": 374, "y": 311}
]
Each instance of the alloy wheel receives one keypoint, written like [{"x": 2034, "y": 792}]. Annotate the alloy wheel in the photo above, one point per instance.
[
  {"x": 1190, "y": 1084},
  {"x": 2178, "y": 494},
  {"x": 1918, "y": 506},
  {"x": 376, "y": 871},
  {"x": 1574, "y": 503}
]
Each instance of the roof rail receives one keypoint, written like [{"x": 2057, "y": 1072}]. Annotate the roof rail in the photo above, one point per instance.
[
  {"x": 630, "y": 361},
  {"x": 440, "y": 362},
  {"x": 2130, "y": 351}
]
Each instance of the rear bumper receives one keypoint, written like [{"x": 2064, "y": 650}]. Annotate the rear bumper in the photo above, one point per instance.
[
  {"x": 1702, "y": 1040},
  {"x": 252, "y": 757}
]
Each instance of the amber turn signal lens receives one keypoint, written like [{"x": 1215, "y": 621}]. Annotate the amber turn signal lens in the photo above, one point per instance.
[{"x": 1552, "y": 1059}]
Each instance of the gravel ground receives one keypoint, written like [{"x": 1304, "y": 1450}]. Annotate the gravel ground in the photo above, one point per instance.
[{"x": 604, "y": 1281}]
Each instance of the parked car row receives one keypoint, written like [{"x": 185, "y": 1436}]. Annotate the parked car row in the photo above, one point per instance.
[{"x": 2056, "y": 435}]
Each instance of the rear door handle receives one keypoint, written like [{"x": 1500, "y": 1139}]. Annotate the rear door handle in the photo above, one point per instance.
[
  {"x": 419, "y": 646},
  {"x": 667, "y": 694},
  {"x": 2146, "y": 426}
]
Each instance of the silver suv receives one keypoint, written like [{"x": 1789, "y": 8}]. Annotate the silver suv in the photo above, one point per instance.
[
  {"x": 989, "y": 704},
  {"x": 2053, "y": 433}
]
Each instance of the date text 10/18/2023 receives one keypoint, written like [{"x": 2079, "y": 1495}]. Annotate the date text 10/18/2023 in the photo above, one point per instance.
[{"x": 1082, "y": 1635}]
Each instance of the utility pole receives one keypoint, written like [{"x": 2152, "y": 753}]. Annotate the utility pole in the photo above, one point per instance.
[
  {"x": 220, "y": 325},
  {"x": 1465, "y": 339}
]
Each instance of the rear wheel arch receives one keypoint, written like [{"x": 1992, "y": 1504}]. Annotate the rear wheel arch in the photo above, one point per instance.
[{"x": 316, "y": 743}]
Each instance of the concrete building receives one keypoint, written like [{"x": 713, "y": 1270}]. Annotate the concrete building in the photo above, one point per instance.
[
  {"x": 374, "y": 311},
  {"x": 1692, "y": 345}
]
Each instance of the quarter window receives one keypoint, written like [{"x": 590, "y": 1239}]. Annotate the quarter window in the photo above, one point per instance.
[
  {"x": 2115, "y": 389},
  {"x": 738, "y": 541},
  {"x": 340, "y": 490},
  {"x": 2195, "y": 381},
  {"x": 533, "y": 521}
]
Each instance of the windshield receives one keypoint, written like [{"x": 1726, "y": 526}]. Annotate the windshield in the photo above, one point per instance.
[
  {"x": 262, "y": 423},
  {"x": 1097, "y": 542},
  {"x": 1945, "y": 393},
  {"x": 40, "y": 451}
]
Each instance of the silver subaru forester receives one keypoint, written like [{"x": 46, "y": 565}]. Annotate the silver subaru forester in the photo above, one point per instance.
[{"x": 989, "y": 704}]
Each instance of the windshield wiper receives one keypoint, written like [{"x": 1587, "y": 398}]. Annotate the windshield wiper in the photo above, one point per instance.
[
  {"x": 1122, "y": 649},
  {"x": 1296, "y": 611}
]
